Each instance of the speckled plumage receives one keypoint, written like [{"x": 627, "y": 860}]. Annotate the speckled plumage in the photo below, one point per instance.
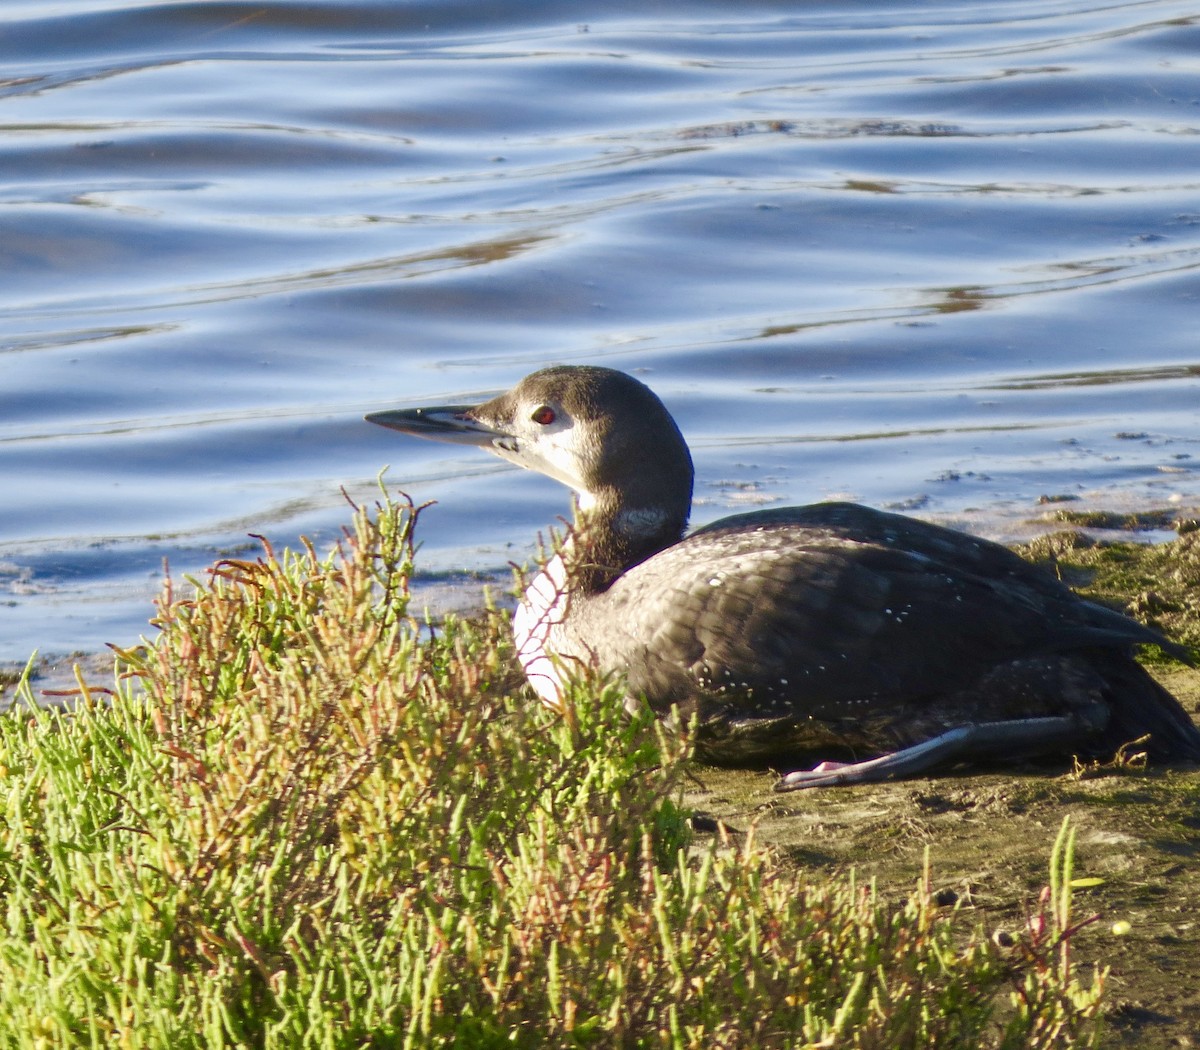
[
  {"x": 835, "y": 625},
  {"x": 806, "y": 628}
]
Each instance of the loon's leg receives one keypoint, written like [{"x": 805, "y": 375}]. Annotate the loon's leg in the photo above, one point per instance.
[{"x": 1026, "y": 736}]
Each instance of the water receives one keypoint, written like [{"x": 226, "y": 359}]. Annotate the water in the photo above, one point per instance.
[{"x": 939, "y": 256}]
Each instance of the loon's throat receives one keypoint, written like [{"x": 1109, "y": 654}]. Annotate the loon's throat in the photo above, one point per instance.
[{"x": 609, "y": 538}]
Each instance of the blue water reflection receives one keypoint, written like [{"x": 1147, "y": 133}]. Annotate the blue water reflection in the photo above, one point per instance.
[{"x": 933, "y": 256}]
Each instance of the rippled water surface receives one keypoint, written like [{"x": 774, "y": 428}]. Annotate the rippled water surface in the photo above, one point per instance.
[{"x": 942, "y": 256}]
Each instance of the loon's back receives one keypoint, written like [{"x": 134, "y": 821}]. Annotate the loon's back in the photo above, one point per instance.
[{"x": 802, "y": 628}]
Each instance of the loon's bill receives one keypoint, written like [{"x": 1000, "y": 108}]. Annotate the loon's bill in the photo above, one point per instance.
[{"x": 450, "y": 423}]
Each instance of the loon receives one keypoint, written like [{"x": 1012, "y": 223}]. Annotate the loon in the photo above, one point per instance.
[{"x": 797, "y": 630}]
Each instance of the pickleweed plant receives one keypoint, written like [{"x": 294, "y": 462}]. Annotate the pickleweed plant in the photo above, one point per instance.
[
  {"x": 1050, "y": 1000},
  {"x": 306, "y": 819}
]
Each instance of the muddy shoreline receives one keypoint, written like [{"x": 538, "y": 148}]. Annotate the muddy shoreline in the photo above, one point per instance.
[{"x": 989, "y": 835}]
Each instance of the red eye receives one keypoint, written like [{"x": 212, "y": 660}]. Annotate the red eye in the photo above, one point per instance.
[{"x": 543, "y": 415}]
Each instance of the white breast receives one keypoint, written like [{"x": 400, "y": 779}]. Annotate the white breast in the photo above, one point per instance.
[{"x": 541, "y": 611}]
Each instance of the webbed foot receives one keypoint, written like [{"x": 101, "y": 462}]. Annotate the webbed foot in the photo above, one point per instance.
[{"x": 1028, "y": 736}]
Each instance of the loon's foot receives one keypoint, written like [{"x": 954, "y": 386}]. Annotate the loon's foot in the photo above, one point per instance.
[{"x": 1021, "y": 738}]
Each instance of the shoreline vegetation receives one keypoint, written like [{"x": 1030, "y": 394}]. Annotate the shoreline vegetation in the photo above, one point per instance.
[{"x": 303, "y": 818}]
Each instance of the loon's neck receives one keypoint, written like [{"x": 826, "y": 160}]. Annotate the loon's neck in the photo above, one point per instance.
[
  {"x": 610, "y": 536},
  {"x": 607, "y": 539}
]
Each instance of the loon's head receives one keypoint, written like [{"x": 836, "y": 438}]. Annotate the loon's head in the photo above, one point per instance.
[{"x": 599, "y": 431}]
